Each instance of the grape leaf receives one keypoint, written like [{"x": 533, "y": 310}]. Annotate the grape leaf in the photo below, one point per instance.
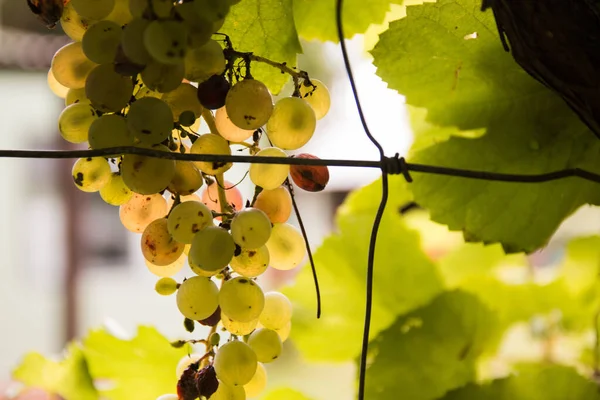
[
  {"x": 266, "y": 28},
  {"x": 431, "y": 350},
  {"x": 284, "y": 393},
  {"x": 581, "y": 267},
  {"x": 404, "y": 277},
  {"x": 471, "y": 83},
  {"x": 69, "y": 378}
]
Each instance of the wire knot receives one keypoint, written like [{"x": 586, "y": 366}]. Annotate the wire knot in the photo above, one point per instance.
[{"x": 396, "y": 165}]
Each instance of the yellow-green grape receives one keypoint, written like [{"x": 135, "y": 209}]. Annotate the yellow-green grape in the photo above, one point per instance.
[
  {"x": 241, "y": 299},
  {"x": 228, "y": 129},
  {"x": 162, "y": 77},
  {"x": 284, "y": 333},
  {"x": 212, "y": 10},
  {"x": 251, "y": 262},
  {"x": 227, "y": 392},
  {"x": 184, "y": 98},
  {"x": 235, "y": 363},
  {"x": 162, "y": 8},
  {"x": 140, "y": 210},
  {"x": 147, "y": 175},
  {"x": 58, "y": 89},
  {"x": 107, "y": 90},
  {"x": 211, "y": 144},
  {"x": 277, "y": 311},
  {"x": 197, "y": 298},
  {"x": 166, "y": 271},
  {"x": 292, "y": 123},
  {"x": 110, "y": 130},
  {"x": 70, "y": 66},
  {"x": 132, "y": 41},
  {"x": 212, "y": 249},
  {"x": 115, "y": 192},
  {"x": 236, "y": 327},
  {"x": 286, "y": 247},
  {"x": 249, "y": 104},
  {"x": 250, "y": 228},
  {"x": 266, "y": 343},
  {"x": 73, "y": 24},
  {"x": 258, "y": 382},
  {"x": 199, "y": 28},
  {"x": 166, "y": 41},
  {"x": 317, "y": 97},
  {"x": 120, "y": 13},
  {"x": 276, "y": 203},
  {"x": 187, "y": 219},
  {"x": 75, "y": 121},
  {"x": 187, "y": 179},
  {"x": 101, "y": 40},
  {"x": 205, "y": 61},
  {"x": 158, "y": 246},
  {"x": 199, "y": 271},
  {"x": 91, "y": 174},
  {"x": 150, "y": 120},
  {"x": 166, "y": 286},
  {"x": 93, "y": 9},
  {"x": 76, "y": 96},
  {"x": 138, "y": 8},
  {"x": 269, "y": 176},
  {"x": 214, "y": 339}
]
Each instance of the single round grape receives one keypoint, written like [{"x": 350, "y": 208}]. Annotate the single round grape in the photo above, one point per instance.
[
  {"x": 292, "y": 123},
  {"x": 91, "y": 174},
  {"x": 199, "y": 271},
  {"x": 182, "y": 99},
  {"x": 187, "y": 118},
  {"x": 147, "y": 175},
  {"x": 249, "y": 104},
  {"x": 187, "y": 219},
  {"x": 58, "y": 89},
  {"x": 199, "y": 28},
  {"x": 168, "y": 397},
  {"x": 286, "y": 247},
  {"x": 166, "y": 271},
  {"x": 213, "y": 92},
  {"x": 277, "y": 312},
  {"x": 132, "y": 41},
  {"x": 110, "y": 130},
  {"x": 312, "y": 178},
  {"x": 75, "y": 96},
  {"x": 166, "y": 41},
  {"x": 235, "y": 363},
  {"x": 284, "y": 333},
  {"x": 73, "y": 24},
  {"x": 93, "y": 9},
  {"x": 205, "y": 61},
  {"x": 251, "y": 262},
  {"x": 140, "y": 210},
  {"x": 197, "y": 298},
  {"x": 276, "y": 203},
  {"x": 250, "y": 228},
  {"x": 162, "y": 77},
  {"x": 75, "y": 121},
  {"x": 101, "y": 40},
  {"x": 258, "y": 382},
  {"x": 211, "y": 144},
  {"x": 120, "y": 13},
  {"x": 107, "y": 90},
  {"x": 317, "y": 96},
  {"x": 187, "y": 179},
  {"x": 269, "y": 176},
  {"x": 161, "y": 8},
  {"x": 166, "y": 286},
  {"x": 241, "y": 299},
  {"x": 228, "y": 129},
  {"x": 70, "y": 66},
  {"x": 158, "y": 246},
  {"x": 238, "y": 328},
  {"x": 227, "y": 392},
  {"x": 212, "y": 249},
  {"x": 150, "y": 120},
  {"x": 210, "y": 196},
  {"x": 115, "y": 192},
  {"x": 266, "y": 343}
]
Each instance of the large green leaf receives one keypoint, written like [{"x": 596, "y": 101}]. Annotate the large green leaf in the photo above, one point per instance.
[
  {"x": 404, "y": 277},
  {"x": 266, "y": 28},
  {"x": 472, "y": 84},
  {"x": 431, "y": 350}
]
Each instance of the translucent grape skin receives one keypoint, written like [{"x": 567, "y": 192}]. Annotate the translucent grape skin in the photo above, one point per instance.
[
  {"x": 187, "y": 179},
  {"x": 292, "y": 123},
  {"x": 276, "y": 203},
  {"x": 183, "y": 99},
  {"x": 241, "y": 299},
  {"x": 211, "y": 144},
  {"x": 277, "y": 312},
  {"x": 93, "y": 9},
  {"x": 107, "y": 90},
  {"x": 101, "y": 40},
  {"x": 73, "y": 24},
  {"x": 249, "y": 104},
  {"x": 228, "y": 392},
  {"x": 286, "y": 247},
  {"x": 158, "y": 246},
  {"x": 251, "y": 228},
  {"x": 165, "y": 271},
  {"x": 238, "y": 328},
  {"x": 140, "y": 210},
  {"x": 228, "y": 129},
  {"x": 110, "y": 130},
  {"x": 161, "y": 77},
  {"x": 115, "y": 192},
  {"x": 312, "y": 178},
  {"x": 150, "y": 119},
  {"x": 75, "y": 121},
  {"x": 166, "y": 286},
  {"x": 317, "y": 95},
  {"x": 235, "y": 363},
  {"x": 166, "y": 41},
  {"x": 91, "y": 174},
  {"x": 212, "y": 249},
  {"x": 210, "y": 196},
  {"x": 205, "y": 61},
  {"x": 187, "y": 219},
  {"x": 269, "y": 176},
  {"x": 132, "y": 41},
  {"x": 212, "y": 93},
  {"x": 58, "y": 89},
  {"x": 70, "y": 66},
  {"x": 266, "y": 343},
  {"x": 197, "y": 298},
  {"x": 251, "y": 262},
  {"x": 258, "y": 382},
  {"x": 147, "y": 175}
]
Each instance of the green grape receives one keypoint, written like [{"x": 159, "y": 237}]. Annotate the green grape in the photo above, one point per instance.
[
  {"x": 211, "y": 144},
  {"x": 101, "y": 40},
  {"x": 93, "y": 9},
  {"x": 166, "y": 286},
  {"x": 182, "y": 99},
  {"x": 292, "y": 123},
  {"x": 277, "y": 312},
  {"x": 147, "y": 175},
  {"x": 227, "y": 392},
  {"x": 205, "y": 61},
  {"x": 75, "y": 121},
  {"x": 73, "y": 24},
  {"x": 76, "y": 96},
  {"x": 199, "y": 271},
  {"x": 286, "y": 247},
  {"x": 58, "y": 89},
  {"x": 235, "y": 363},
  {"x": 238, "y": 328},
  {"x": 269, "y": 176},
  {"x": 187, "y": 219},
  {"x": 115, "y": 192},
  {"x": 212, "y": 10},
  {"x": 70, "y": 66},
  {"x": 241, "y": 299},
  {"x": 120, "y": 13},
  {"x": 249, "y": 104},
  {"x": 166, "y": 41},
  {"x": 214, "y": 339},
  {"x": 107, "y": 90},
  {"x": 158, "y": 246},
  {"x": 91, "y": 174},
  {"x": 228, "y": 129},
  {"x": 258, "y": 382},
  {"x": 162, "y": 8},
  {"x": 138, "y": 8},
  {"x": 197, "y": 298},
  {"x": 284, "y": 333},
  {"x": 162, "y": 78},
  {"x": 251, "y": 262},
  {"x": 187, "y": 118},
  {"x": 165, "y": 271},
  {"x": 276, "y": 203},
  {"x": 199, "y": 28},
  {"x": 317, "y": 97},
  {"x": 168, "y": 397},
  {"x": 187, "y": 179},
  {"x": 110, "y": 130},
  {"x": 132, "y": 41},
  {"x": 212, "y": 249},
  {"x": 266, "y": 343},
  {"x": 140, "y": 210},
  {"x": 250, "y": 228},
  {"x": 150, "y": 120}
]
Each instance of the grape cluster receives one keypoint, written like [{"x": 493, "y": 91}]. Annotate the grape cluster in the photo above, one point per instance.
[{"x": 144, "y": 73}]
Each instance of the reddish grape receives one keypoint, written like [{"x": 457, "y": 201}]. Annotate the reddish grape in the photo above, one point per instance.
[
  {"x": 210, "y": 196},
  {"x": 311, "y": 178}
]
